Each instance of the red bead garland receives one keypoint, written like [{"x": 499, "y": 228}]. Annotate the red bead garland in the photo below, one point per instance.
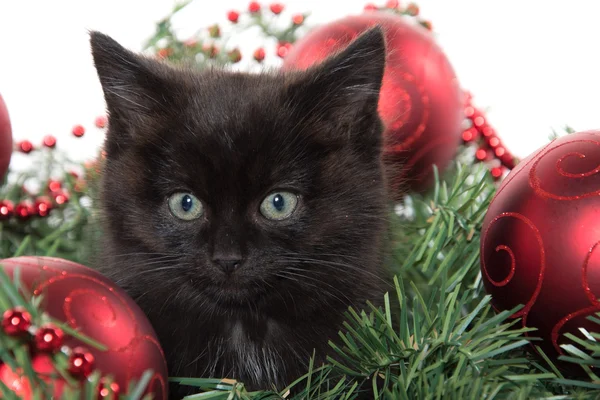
[
  {"x": 81, "y": 363},
  {"x": 16, "y": 321},
  {"x": 48, "y": 338}
]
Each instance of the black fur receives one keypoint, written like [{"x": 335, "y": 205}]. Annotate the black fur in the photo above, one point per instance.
[{"x": 231, "y": 139}]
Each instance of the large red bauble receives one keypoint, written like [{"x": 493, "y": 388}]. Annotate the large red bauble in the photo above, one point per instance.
[
  {"x": 540, "y": 240},
  {"x": 6, "y": 141},
  {"x": 96, "y": 307},
  {"x": 421, "y": 104}
]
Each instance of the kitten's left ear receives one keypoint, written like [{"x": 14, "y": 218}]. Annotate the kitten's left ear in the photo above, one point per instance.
[{"x": 347, "y": 84}]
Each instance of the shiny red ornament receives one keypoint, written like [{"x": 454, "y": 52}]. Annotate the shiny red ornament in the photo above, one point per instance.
[
  {"x": 49, "y": 141},
  {"x": 16, "y": 321},
  {"x": 81, "y": 363},
  {"x": 25, "y": 210},
  {"x": 421, "y": 103},
  {"x": 48, "y": 339},
  {"x": 254, "y": 7},
  {"x": 25, "y": 146},
  {"x": 298, "y": 19},
  {"x": 101, "y": 121},
  {"x": 276, "y": 8},
  {"x": 42, "y": 206},
  {"x": 233, "y": 16},
  {"x": 87, "y": 301},
  {"x": 540, "y": 240},
  {"x": 78, "y": 130},
  {"x": 7, "y": 209},
  {"x": 259, "y": 54},
  {"x": 18, "y": 382},
  {"x": 6, "y": 140}
]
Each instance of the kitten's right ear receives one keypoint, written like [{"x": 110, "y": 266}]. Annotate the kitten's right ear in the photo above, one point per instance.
[{"x": 134, "y": 86}]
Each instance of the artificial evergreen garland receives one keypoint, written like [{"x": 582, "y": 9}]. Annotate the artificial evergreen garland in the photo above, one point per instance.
[{"x": 437, "y": 335}]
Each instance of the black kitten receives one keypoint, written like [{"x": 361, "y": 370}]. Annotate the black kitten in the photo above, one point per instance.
[{"x": 244, "y": 213}]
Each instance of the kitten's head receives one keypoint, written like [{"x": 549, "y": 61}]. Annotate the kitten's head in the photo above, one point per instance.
[{"x": 237, "y": 190}]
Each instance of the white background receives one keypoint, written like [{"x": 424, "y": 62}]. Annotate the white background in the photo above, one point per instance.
[{"x": 533, "y": 64}]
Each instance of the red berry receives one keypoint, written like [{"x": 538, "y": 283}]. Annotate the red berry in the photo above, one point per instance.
[
  {"x": 487, "y": 130},
  {"x": 235, "y": 55},
  {"x": 48, "y": 338},
  {"x": 470, "y": 134},
  {"x": 100, "y": 121},
  {"x": 50, "y": 141},
  {"x": 54, "y": 186},
  {"x": 493, "y": 141},
  {"x": 25, "y": 146},
  {"x": 298, "y": 19},
  {"x": 233, "y": 16},
  {"x": 412, "y": 9},
  {"x": 108, "y": 391},
  {"x": 499, "y": 151},
  {"x": 478, "y": 121},
  {"x": 7, "y": 209},
  {"x": 259, "y": 54},
  {"x": 254, "y": 7},
  {"x": 481, "y": 154},
  {"x": 212, "y": 50},
  {"x": 191, "y": 42},
  {"x": 283, "y": 48},
  {"x": 164, "y": 53},
  {"x": 392, "y": 4},
  {"x": 43, "y": 206},
  {"x": 370, "y": 7},
  {"x": 78, "y": 130},
  {"x": 81, "y": 363},
  {"x": 276, "y": 8},
  {"x": 24, "y": 210},
  {"x": 497, "y": 172},
  {"x": 507, "y": 160},
  {"x": 214, "y": 31},
  {"x": 16, "y": 321},
  {"x": 426, "y": 24},
  {"x": 61, "y": 197}
]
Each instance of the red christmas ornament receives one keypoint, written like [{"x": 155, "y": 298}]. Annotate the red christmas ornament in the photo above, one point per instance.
[
  {"x": 540, "y": 240},
  {"x": 254, "y": 7},
  {"x": 7, "y": 209},
  {"x": 233, "y": 16},
  {"x": 101, "y": 121},
  {"x": 18, "y": 382},
  {"x": 50, "y": 141},
  {"x": 6, "y": 141},
  {"x": 420, "y": 103},
  {"x": 259, "y": 54},
  {"x": 81, "y": 363},
  {"x": 96, "y": 307},
  {"x": 16, "y": 321},
  {"x": 276, "y": 8},
  {"x": 25, "y": 146},
  {"x": 78, "y": 130},
  {"x": 48, "y": 338}
]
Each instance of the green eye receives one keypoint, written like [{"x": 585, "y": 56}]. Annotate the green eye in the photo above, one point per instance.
[
  {"x": 186, "y": 206},
  {"x": 279, "y": 205}
]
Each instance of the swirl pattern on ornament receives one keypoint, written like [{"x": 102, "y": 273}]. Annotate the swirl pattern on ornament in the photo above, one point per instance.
[
  {"x": 513, "y": 267},
  {"x": 536, "y": 182},
  {"x": 589, "y": 294},
  {"x": 104, "y": 321}
]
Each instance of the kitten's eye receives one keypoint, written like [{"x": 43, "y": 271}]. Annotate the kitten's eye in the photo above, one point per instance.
[
  {"x": 279, "y": 205},
  {"x": 186, "y": 206}
]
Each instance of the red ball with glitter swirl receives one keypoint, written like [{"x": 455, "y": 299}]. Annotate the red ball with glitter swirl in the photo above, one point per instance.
[
  {"x": 5, "y": 139},
  {"x": 421, "y": 104},
  {"x": 540, "y": 242},
  {"x": 95, "y": 306}
]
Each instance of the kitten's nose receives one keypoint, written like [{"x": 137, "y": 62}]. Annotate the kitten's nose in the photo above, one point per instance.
[{"x": 229, "y": 265}]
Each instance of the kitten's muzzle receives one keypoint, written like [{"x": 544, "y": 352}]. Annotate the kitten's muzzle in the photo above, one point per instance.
[{"x": 228, "y": 265}]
